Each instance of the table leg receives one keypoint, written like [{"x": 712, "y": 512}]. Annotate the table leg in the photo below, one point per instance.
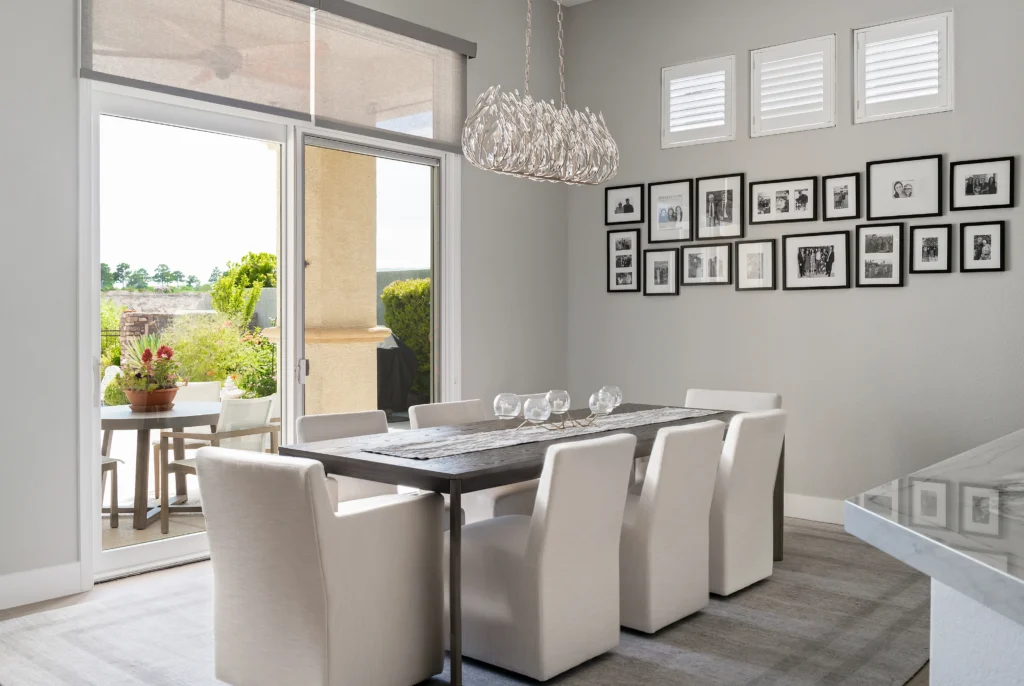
[
  {"x": 141, "y": 478},
  {"x": 780, "y": 502},
  {"x": 181, "y": 487},
  {"x": 455, "y": 581},
  {"x": 108, "y": 435}
]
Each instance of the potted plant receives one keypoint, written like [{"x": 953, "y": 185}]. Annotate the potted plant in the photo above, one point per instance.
[{"x": 150, "y": 375}]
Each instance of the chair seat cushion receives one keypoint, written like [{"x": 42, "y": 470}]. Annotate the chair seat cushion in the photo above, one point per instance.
[
  {"x": 187, "y": 465},
  {"x": 491, "y": 552}
]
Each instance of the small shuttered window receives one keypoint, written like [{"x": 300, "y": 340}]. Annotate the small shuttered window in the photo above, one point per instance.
[
  {"x": 792, "y": 87},
  {"x": 904, "y": 68},
  {"x": 698, "y": 102}
]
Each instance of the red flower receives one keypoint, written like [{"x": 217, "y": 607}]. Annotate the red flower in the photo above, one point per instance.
[
  {"x": 164, "y": 352},
  {"x": 147, "y": 356}
]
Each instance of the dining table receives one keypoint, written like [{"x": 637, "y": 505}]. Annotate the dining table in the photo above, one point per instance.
[{"x": 361, "y": 457}]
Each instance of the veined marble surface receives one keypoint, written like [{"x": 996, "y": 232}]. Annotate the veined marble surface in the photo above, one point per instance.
[{"x": 960, "y": 521}]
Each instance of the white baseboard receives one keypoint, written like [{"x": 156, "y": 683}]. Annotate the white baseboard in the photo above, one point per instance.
[
  {"x": 814, "y": 508},
  {"x": 35, "y": 585}
]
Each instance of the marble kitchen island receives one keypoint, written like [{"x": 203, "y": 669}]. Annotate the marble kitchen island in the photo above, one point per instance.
[{"x": 961, "y": 522}]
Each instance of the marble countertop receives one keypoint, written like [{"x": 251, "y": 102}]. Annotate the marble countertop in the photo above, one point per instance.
[{"x": 960, "y": 521}]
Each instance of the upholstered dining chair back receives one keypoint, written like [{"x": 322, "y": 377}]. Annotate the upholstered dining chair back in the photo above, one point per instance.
[
  {"x": 307, "y": 595},
  {"x": 735, "y": 401},
  {"x": 198, "y": 392},
  {"x": 240, "y": 413},
  {"x": 326, "y": 427},
  {"x": 448, "y": 414}
]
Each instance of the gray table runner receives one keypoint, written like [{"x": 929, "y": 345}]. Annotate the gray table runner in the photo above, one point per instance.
[{"x": 415, "y": 447}]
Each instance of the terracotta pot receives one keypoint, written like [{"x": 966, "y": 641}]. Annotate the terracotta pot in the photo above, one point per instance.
[{"x": 152, "y": 401}]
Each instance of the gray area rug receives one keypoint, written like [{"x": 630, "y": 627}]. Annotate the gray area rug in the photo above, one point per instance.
[{"x": 836, "y": 611}]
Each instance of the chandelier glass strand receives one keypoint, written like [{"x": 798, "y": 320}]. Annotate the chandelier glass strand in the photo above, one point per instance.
[{"x": 514, "y": 134}]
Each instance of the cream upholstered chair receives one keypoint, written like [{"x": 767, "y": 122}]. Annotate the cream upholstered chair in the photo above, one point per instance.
[
  {"x": 741, "y": 511},
  {"x": 663, "y": 561},
  {"x": 540, "y": 594},
  {"x": 448, "y": 414},
  {"x": 198, "y": 392},
  {"x": 304, "y": 594},
  {"x": 326, "y": 427}
]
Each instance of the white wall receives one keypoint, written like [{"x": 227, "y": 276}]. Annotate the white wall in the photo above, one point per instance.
[{"x": 880, "y": 382}]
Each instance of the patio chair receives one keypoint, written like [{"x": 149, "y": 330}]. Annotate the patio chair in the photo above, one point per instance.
[
  {"x": 242, "y": 426},
  {"x": 199, "y": 392},
  {"x": 109, "y": 467}
]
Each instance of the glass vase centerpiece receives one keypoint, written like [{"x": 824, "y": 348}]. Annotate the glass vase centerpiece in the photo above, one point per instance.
[{"x": 552, "y": 410}]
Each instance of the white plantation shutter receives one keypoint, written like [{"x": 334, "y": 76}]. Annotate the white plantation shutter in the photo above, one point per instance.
[
  {"x": 792, "y": 87},
  {"x": 698, "y": 102},
  {"x": 905, "y": 68}
]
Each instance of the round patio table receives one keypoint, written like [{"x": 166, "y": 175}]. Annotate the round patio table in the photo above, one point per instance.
[{"x": 181, "y": 416}]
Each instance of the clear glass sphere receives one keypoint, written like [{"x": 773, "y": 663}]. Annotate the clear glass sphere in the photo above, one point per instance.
[
  {"x": 615, "y": 392},
  {"x": 507, "y": 406},
  {"x": 602, "y": 402},
  {"x": 559, "y": 401},
  {"x": 537, "y": 410}
]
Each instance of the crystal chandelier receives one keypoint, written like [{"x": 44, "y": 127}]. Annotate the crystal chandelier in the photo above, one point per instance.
[{"x": 517, "y": 135}]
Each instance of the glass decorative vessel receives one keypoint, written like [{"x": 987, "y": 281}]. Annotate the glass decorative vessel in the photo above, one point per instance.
[
  {"x": 507, "y": 406},
  {"x": 559, "y": 401},
  {"x": 537, "y": 410},
  {"x": 602, "y": 402},
  {"x": 615, "y": 392}
]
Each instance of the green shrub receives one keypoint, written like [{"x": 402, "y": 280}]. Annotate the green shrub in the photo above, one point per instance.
[
  {"x": 407, "y": 314},
  {"x": 114, "y": 394},
  {"x": 110, "y": 320},
  {"x": 256, "y": 371},
  {"x": 237, "y": 292},
  {"x": 208, "y": 347}
]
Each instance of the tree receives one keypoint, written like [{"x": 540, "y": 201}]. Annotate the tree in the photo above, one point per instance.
[
  {"x": 122, "y": 272},
  {"x": 162, "y": 275},
  {"x": 138, "y": 280},
  {"x": 192, "y": 281},
  {"x": 177, "y": 277},
  {"x": 255, "y": 267},
  {"x": 106, "y": 277},
  {"x": 215, "y": 275}
]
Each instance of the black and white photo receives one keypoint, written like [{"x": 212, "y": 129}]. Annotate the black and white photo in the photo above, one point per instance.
[
  {"x": 755, "y": 265},
  {"x": 661, "y": 276},
  {"x": 929, "y": 503},
  {"x": 908, "y": 187},
  {"x": 979, "y": 510},
  {"x": 707, "y": 265},
  {"x": 982, "y": 184},
  {"x": 623, "y": 269},
  {"x": 624, "y": 205},
  {"x": 671, "y": 211},
  {"x": 879, "y": 255},
  {"x": 816, "y": 260},
  {"x": 930, "y": 249},
  {"x": 840, "y": 197},
  {"x": 981, "y": 246},
  {"x": 720, "y": 207},
  {"x": 784, "y": 200}
]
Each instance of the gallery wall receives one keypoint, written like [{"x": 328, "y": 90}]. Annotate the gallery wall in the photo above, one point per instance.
[{"x": 879, "y": 382}]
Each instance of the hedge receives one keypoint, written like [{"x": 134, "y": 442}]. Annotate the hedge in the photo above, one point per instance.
[{"x": 407, "y": 314}]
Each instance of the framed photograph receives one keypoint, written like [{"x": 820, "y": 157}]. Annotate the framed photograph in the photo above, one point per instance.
[
  {"x": 929, "y": 503},
  {"x": 879, "y": 255},
  {"x": 755, "y": 265},
  {"x": 840, "y": 197},
  {"x": 884, "y": 500},
  {"x": 981, "y": 184},
  {"x": 707, "y": 265},
  {"x": 909, "y": 187},
  {"x": 671, "y": 217},
  {"x": 981, "y": 247},
  {"x": 661, "y": 271},
  {"x": 720, "y": 207},
  {"x": 624, "y": 205},
  {"x": 979, "y": 510},
  {"x": 624, "y": 261},
  {"x": 931, "y": 249},
  {"x": 814, "y": 261},
  {"x": 783, "y": 201}
]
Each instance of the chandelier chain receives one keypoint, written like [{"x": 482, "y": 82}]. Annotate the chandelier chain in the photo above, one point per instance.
[
  {"x": 561, "y": 56},
  {"x": 529, "y": 35}
]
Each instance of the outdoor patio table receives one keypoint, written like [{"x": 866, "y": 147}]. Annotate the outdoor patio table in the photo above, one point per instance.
[{"x": 181, "y": 416}]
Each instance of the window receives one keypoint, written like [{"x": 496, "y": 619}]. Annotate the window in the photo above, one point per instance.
[
  {"x": 904, "y": 68},
  {"x": 697, "y": 102},
  {"x": 792, "y": 87}
]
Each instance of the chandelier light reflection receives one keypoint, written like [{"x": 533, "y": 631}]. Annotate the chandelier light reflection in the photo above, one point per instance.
[{"x": 514, "y": 134}]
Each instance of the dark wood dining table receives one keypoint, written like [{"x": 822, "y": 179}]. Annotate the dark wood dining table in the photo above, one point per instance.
[{"x": 469, "y": 472}]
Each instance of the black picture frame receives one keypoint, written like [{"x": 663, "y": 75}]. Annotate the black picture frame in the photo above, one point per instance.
[
  {"x": 728, "y": 262},
  {"x": 774, "y": 261},
  {"x": 1002, "y": 247},
  {"x": 857, "y": 190},
  {"x": 608, "y": 261},
  {"x": 1000, "y": 526},
  {"x": 742, "y": 217},
  {"x": 785, "y": 261},
  {"x": 898, "y": 259},
  {"x": 913, "y": 249},
  {"x": 952, "y": 184},
  {"x": 751, "y": 204},
  {"x": 675, "y": 259},
  {"x": 938, "y": 187},
  {"x": 651, "y": 218},
  {"x": 640, "y": 194}
]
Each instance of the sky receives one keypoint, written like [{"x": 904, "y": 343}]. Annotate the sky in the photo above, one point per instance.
[{"x": 195, "y": 200}]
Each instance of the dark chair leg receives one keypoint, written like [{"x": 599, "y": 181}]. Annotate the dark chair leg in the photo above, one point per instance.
[
  {"x": 113, "y": 497},
  {"x": 779, "y": 508}
]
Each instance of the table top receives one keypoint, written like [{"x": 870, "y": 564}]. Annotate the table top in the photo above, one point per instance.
[
  {"x": 960, "y": 521},
  {"x": 182, "y": 415},
  {"x": 475, "y": 471}
]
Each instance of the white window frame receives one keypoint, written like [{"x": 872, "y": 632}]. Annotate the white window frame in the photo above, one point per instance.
[
  {"x": 726, "y": 132},
  {"x": 797, "y": 122},
  {"x": 893, "y": 30}
]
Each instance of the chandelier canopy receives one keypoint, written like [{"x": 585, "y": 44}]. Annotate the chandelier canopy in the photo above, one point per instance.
[{"x": 514, "y": 134}]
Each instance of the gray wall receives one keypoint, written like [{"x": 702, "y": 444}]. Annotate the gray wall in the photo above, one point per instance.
[{"x": 880, "y": 382}]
